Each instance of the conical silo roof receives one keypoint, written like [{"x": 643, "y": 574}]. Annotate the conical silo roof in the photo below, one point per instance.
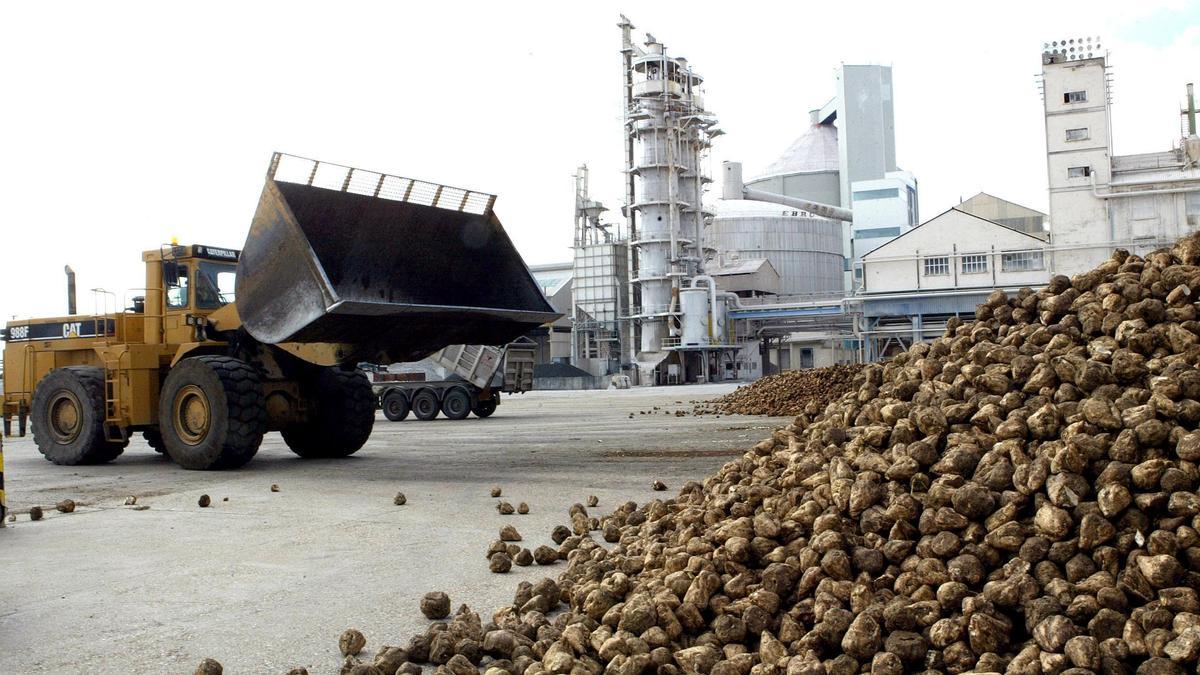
[{"x": 815, "y": 150}]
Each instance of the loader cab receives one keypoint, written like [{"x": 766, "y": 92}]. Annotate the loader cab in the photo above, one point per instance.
[{"x": 184, "y": 283}]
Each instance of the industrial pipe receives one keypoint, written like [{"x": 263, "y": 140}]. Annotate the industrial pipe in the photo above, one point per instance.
[
  {"x": 70, "y": 290},
  {"x": 1138, "y": 193},
  {"x": 733, "y": 188},
  {"x": 737, "y": 299}
]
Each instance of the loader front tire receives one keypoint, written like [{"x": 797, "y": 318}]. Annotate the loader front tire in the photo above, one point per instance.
[
  {"x": 212, "y": 413},
  {"x": 341, "y": 415},
  {"x": 68, "y": 417}
]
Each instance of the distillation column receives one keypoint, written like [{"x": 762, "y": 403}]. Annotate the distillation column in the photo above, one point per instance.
[{"x": 666, "y": 120}]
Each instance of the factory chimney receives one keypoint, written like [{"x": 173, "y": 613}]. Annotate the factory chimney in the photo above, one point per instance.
[
  {"x": 1191, "y": 144},
  {"x": 1191, "y": 111}
]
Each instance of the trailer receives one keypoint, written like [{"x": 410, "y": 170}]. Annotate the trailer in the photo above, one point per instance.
[{"x": 466, "y": 379}]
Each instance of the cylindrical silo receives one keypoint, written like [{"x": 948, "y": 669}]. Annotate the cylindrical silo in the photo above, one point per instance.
[
  {"x": 694, "y": 302},
  {"x": 808, "y": 168},
  {"x": 805, "y": 251}
]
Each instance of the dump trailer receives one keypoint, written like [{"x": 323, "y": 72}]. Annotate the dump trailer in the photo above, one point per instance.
[
  {"x": 476, "y": 376},
  {"x": 340, "y": 266}
]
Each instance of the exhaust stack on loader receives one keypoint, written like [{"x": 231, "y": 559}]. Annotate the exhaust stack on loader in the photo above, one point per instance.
[{"x": 340, "y": 266}]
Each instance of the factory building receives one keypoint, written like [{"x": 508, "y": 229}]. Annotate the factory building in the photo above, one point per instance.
[
  {"x": 554, "y": 341},
  {"x": 599, "y": 287},
  {"x": 748, "y": 278},
  {"x": 822, "y": 258},
  {"x": 847, "y": 158},
  {"x": 954, "y": 251},
  {"x": 1099, "y": 201},
  {"x": 1006, "y": 213},
  {"x": 944, "y": 267}
]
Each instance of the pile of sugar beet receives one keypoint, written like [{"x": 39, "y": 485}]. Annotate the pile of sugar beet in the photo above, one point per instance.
[
  {"x": 787, "y": 393},
  {"x": 1017, "y": 496}
]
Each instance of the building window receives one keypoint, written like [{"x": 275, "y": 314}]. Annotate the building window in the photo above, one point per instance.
[
  {"x": 886, "y": 193},
  {"x": 1022, "y": 261},
  {"x": 937, "y": 267},
  {"x": 1077, "y": 134},
  {"x": 974, "y": 264},
  {"x": 877, "y": 233},
  {"x": 1079, "y": 172},
  {"x": 1075, "y": 97}
]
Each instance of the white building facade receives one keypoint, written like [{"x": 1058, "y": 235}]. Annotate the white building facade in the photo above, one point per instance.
[
  {"x": 884, "y": 209},
  {"x": 955, "y": 250},
  {"x": 1098, "y": 201}
]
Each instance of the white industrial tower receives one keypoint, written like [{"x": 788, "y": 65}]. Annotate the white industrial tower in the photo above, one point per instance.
[
  {"x": 668, "y": 132},
  {"x": 1075, "y": 89}
]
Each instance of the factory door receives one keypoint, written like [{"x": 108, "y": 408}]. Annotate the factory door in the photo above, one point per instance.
[{"x": 806, "y": 357}]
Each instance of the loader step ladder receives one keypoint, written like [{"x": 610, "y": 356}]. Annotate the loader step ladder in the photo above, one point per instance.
[{"x": 113, "y": 429}]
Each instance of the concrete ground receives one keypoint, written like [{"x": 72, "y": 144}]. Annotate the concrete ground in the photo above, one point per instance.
[{"x": 267, "y": 581}]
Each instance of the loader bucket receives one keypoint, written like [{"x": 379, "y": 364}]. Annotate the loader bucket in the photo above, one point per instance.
[{"x": 390, "y": 268}]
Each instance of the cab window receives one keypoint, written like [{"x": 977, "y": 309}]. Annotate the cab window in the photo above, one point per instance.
[
  {"x": 177, "y": 293},
  {"x": 214, "y": 285}
]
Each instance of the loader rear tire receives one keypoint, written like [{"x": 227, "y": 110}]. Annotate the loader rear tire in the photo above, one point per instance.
[
  {"x": 456, "y": 405},
  {"x": 425, "y": 405},
  {"x": 212, "y": 413},
  {"x": 395, "y": 406},
  {"x": 68, "y": 417},
  {"x": 341, "y": 416}
]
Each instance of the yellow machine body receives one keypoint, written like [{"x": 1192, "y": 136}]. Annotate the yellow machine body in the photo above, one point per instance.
[{"x": 340, "y": 266}]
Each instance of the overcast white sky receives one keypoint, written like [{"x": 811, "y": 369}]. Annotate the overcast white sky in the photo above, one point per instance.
[{"x": 125, "y": 124}]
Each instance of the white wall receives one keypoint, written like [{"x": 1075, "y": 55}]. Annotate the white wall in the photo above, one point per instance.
[
  {"x": 873, "y": 214},
  {"x": 1079, "y": 221},
  {"x": 899, "y": 265}
]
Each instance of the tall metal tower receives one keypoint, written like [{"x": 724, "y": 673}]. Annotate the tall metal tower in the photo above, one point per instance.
[
  {"x": 600, "y": 275},
  {"x": 588, "y": 228},
  {"x": 668, "y": 133}
]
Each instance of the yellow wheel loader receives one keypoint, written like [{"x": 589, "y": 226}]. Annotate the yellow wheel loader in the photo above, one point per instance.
[{"x": 340, "y": 266}]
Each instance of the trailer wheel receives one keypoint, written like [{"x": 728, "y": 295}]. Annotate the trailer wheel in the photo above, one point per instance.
[
  {"x": 341, "y": 417},
  {"x": 68, "y": 417},
  {"x": 212, "y": 413},
  {"x": 456, "y": 405},
  {"x": 395, "y": 406},
  {"x": 425, "y": 405},
  {"x": 484, "y": 408}
]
